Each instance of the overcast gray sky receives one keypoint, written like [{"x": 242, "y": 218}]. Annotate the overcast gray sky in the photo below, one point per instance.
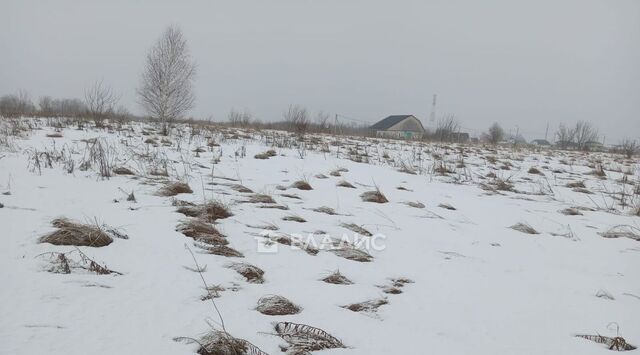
[{"x": 520, "y": 63}]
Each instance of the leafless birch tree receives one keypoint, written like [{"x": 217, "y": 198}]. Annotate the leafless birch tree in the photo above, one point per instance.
[{"x": 166, "y": 88}]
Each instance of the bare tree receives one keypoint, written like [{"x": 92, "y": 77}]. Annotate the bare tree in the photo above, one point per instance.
[
  {"x": 297, "y": 119},
  {"x": 239, "y": 119},
  {"x": 322, "y": 119},
  {"x": 100, "y": 101},
  {"x": 446, "y": 127},
  {"x": 629, "y": 147},
  {"x": 166, "y": 89},
  {"x": 584, "y": 133},
  {"x": 495, "y": 133},
  {"x": 565, "y": 137},
  {"x": 46, "y": 106},
  {"x": 17, "y": 105}
]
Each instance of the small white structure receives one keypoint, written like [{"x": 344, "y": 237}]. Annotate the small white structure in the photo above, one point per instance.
[{"x": 399, "y": 126}]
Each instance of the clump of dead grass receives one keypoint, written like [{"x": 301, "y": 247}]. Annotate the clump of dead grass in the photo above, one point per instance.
[
  {"x": 274, "y": 305},
  {"x": 535, "y": 171},
  {"x": 356, "y": 228},
  {"x": 616, "y": 343},
  {"x": 375, "y": 196},
  {"x": 202, "y": 231},
  {"x": 301, "y": 185},
  {"x": 221, "y": 250},
  {"x": 345, "y": 183},
  {"x": 350, "y": 252},
  {"x": 78, "y": 234},
  {"x": 266, "y": 155},
  {"x": 209, "y": 211},
  {"x": 570, "y": 211},
  {"x": 303, "y": 339},
  {"x": 524, "y": 228},
  {"x": 622, "y": 231},
  {"x": 260, "y": 198},
  {"x": 123, "y": 171},
  {"x": 326, "y": 210},
  {"x": 414, "y": 204},
  {"x": 337, "y": 278},
  {"x": 370, "y": 306},
  {"x": 251, "y": 273},
  {"x": 294, "y": 218},
  {"x": 174, "y": 188},
  {"x": 576, "y": 184}
]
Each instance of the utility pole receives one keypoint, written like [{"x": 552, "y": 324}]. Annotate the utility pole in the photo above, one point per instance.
[
  {"x": 432, "y": 116},
  {"x": 546, "y": 132}
]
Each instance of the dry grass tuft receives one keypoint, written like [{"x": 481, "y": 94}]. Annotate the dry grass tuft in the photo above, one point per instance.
[
  {"x": 274, "y": 305},
  {"x": 582, "y": 190},
  {"x": 294, "y": 218},
  {"x": 251, "y": 273},
  {"x": 260, "y": 198},
  {"x": 301, "y": 185},
  {"x": 221, "y": 343},
  {"x": 415, "y": 204},
  {"x": 54, "y": 135},
  {"x": 524, "y": 228},
  {"x": 370, "y": 306},
  {"x": 241, "y": 188},
  {"x": 571, "y": 212},
  {"x": 123, "y": 171},
  {"x": 266, "y": 155},
  {"x": 302, "y": 339},
  {"x": 622, "y": 231},
  {"x": 337, "y": 278},
  {"x": 576, "y": 184},
  {"x": 325, "y": 209},
  {"x": 221, "y": 250},
  {"x": 345, "y": 183},
  {"x": 356, "y": 228},
  {"x": 321, "y": 176},
  {"x": 293, "y": 196},
  {"x": 350, "y": 252},
  {"x": 374, "y": 196},
  {"x": 617, "y": 343},
  {"x": 202, "y": 231},
  {"x": 78, "y": 234},
  {"x": 447, "y": 206},
  {"x": 209, "y": 211},
  {"x": 174, "y": 188},
  {"x": 534, "y": 170}
]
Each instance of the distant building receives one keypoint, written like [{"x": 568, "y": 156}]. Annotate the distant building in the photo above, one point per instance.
[
  {"x": 399, "y": 126},
  {"x": 594, "y": 146},
  {"x": 460, "y": 137},
  {"x": 540, "y": 142}
]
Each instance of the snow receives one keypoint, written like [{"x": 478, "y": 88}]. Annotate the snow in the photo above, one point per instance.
[{"x": 479, "y": 286}]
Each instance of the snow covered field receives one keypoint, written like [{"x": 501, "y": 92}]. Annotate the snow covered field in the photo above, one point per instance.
[{"x": 444, "y": 270}]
